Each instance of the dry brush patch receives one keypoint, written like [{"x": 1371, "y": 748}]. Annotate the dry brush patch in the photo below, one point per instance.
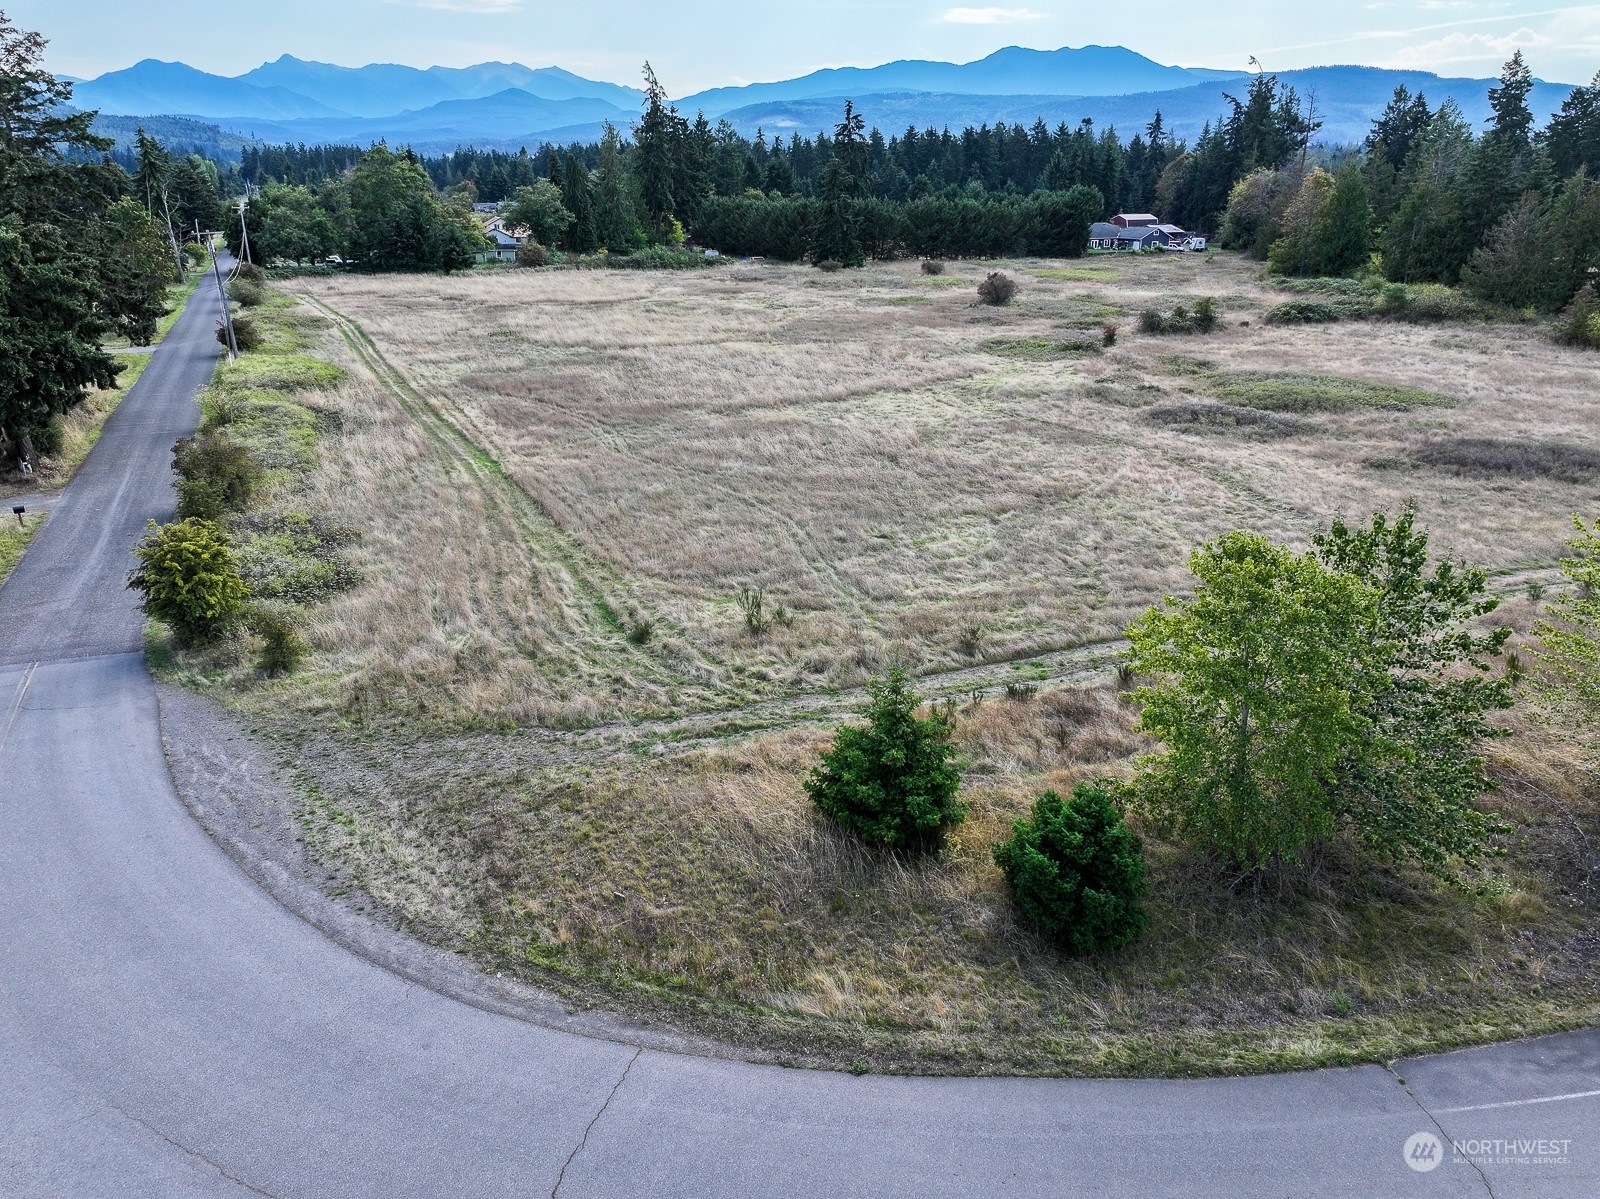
[{"x": 545, "y": 463}]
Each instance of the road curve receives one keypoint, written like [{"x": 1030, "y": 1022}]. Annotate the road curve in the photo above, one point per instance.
[{"x": 168, "y": 1030}]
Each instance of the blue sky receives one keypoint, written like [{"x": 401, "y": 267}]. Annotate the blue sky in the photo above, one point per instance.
[{"x": 708, "y": 43}]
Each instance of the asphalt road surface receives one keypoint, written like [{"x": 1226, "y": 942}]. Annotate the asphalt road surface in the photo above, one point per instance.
[{"x": 168, "y": 1030}]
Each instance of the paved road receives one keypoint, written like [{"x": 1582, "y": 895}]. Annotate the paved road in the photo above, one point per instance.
[{"x": 168, "y": 1030}]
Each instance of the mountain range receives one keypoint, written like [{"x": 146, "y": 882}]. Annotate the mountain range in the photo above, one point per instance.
[{"x": 506, "y": 104}]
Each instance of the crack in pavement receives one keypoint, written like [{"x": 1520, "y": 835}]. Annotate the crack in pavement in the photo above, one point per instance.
[
  {"x": 1434, "y": 1120},
  {"x": 179, "y": 1145},
  {"x": 584, "y": 1140}
]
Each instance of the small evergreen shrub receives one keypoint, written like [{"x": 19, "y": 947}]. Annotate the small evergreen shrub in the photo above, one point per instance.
[
  {"x": 1076, "y": 871},
  {"x": 999, "y": 288},
  {"x": 188, "y": 577},
  {"x": 1108, "y": 336},
  {"x": 531, "y": 254},
  {"x": 893, "y": 781},
  {"x": 932, "y": 266},
  {"x": 251, "y": 273},
  {"x": 1151, "y": 321},
  {"x": 830, "y": 265},
  {"x": 282, "y": 646}
]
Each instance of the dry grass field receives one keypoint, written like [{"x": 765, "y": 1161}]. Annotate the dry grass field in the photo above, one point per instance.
[
  {"x": 896, "y": 466},
  {"x": 541, "y": 730}
]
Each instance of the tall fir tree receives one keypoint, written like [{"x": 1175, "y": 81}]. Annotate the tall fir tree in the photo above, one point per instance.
[
  {"x": 578, "y": 197},
  {"x": 1341, "y": 238},
  {"x": 835, "y": 238}
]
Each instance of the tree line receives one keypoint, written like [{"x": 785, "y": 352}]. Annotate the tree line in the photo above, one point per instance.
[
  {"x": 1511, "y": 214},
  {"x": 84, "y": 256}
]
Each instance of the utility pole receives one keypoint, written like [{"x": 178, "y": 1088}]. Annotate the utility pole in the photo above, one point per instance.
[
  {"x": 222, "y": 293},
  {"x": 244, "y": 232}
]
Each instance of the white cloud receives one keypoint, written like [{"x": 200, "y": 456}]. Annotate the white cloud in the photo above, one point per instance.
[
  {"x": 992, "y": 16},
  {"x": 1467, "y": 47}
]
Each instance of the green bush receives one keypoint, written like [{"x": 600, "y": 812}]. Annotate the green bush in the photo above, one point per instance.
[
  {"x": 999, "y": 288},
  {"x": 652, "y": 258},
  {"x": 1428, "y": 303},
  {"x": 1580, "y": 322},
  {"x": 49, "y": 436},
  {"x": 216, "y": 475},
  {"x": 1180, "y": 320},
  {"x": 932, "y": 266},
  {"x": 532, "y": 254},
  {"x": 1076, "y": 871},
  {"x": 892, "y": 782},
  {"x": 187, "y": 575},
  {"x": 1303, "y": 312},
  {"x": 282, "y": 646},
  {"x": 245, "y": 334},
  {"x": 829, "y": 265},
  {"x": 247, "y": 293}
]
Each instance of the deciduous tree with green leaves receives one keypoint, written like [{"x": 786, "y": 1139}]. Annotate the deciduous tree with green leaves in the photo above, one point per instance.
[
  {"x": 1253, "y": 694},
  {"x": 538, "y": 213},
  {"x": 1408, "y": 785},
  {"x": 1569, "y": 638}
]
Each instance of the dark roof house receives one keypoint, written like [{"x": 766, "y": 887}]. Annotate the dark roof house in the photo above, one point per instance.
[{"x": 1103, "y": 235}]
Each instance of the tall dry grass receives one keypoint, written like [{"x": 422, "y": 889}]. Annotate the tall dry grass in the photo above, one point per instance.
[{"x": 863, "y": 447}]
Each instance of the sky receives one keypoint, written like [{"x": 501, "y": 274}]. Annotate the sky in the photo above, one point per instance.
[{"x": 698, "y": 44}]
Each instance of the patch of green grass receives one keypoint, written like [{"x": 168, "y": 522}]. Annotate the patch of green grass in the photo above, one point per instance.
[
  {"x": 14, "y": 539},
  {"x": 1040, "y": 347},
  {"x": 1069, "y": 275},
  {"x": 1289, "y": 391},
  {"x": 277, "y": 372}
]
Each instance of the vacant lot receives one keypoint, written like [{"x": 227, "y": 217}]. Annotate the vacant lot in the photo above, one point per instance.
[
  {"x": 542, "y": 728},
  {"x": 911, "y": 475}
]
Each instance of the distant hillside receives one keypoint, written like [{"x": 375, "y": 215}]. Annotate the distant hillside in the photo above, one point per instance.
[
  {"x": 509, "y": 117},
  {"x": 384, "y": 89},
  {"x": 172, "y": 87},
  {"x": 1014, "y": 71},
  {"x": 505, "y": 105},
  {"x": 182, "y": 135},
  {"x": 1347, "y": 98}
]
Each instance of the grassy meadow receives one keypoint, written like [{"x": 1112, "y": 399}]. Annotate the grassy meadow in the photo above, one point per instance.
[{"x": 540, "y": 729}]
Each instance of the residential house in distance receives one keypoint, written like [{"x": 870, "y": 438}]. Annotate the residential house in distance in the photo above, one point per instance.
[
  {"x": 503, "y": 243},
  {"x": 1136, "y": 231}
]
